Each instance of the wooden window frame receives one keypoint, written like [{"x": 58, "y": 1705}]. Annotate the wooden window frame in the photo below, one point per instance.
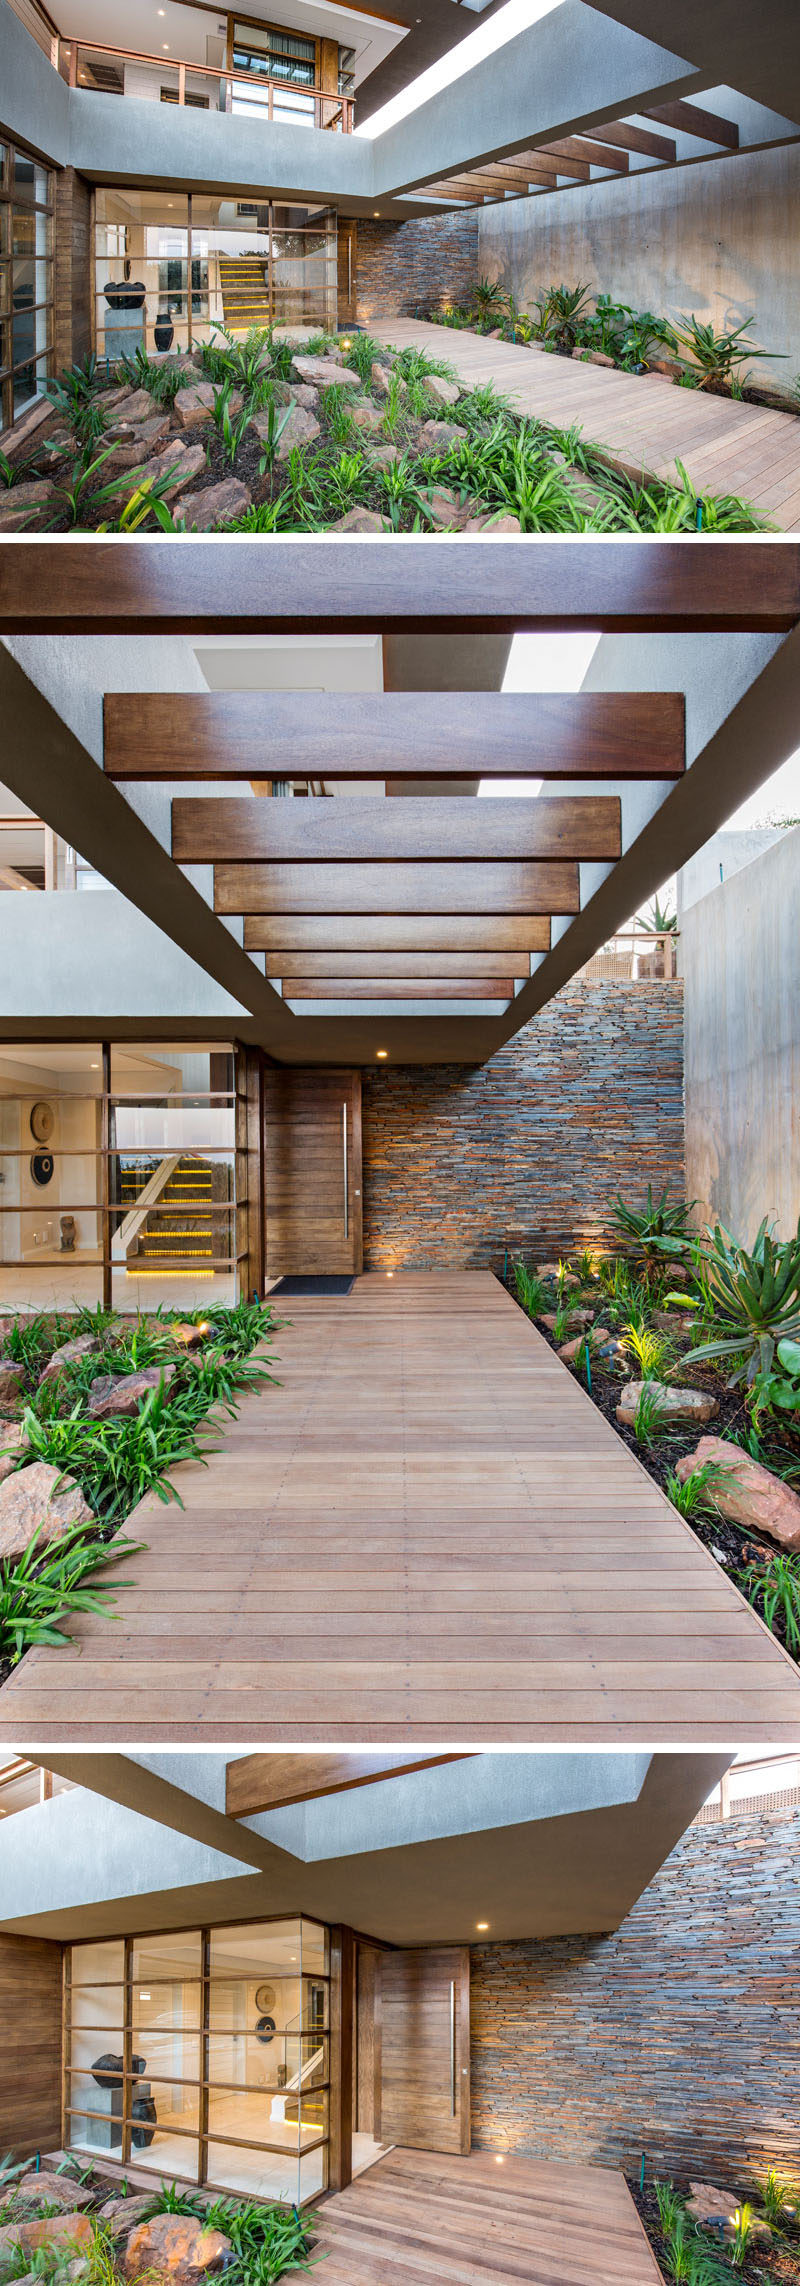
[{"x": 10, "y": 198}]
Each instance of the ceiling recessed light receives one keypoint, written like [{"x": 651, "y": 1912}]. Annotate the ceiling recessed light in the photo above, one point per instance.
[
  {"x": 381, "y": 1054},
  {"x": 481, "y": 1924}
]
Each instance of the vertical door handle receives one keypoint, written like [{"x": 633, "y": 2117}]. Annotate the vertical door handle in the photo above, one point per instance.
[
  {"x": 344, "y": 1164},
  {"x": 453, "y": 2049}
]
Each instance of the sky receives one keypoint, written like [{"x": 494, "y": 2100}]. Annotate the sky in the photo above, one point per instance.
[{"x": 515, "y": 17}]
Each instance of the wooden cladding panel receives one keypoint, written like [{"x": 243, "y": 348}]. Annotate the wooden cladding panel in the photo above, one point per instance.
[
  {"x": 63, "y": 587},
  {"x": 443, "y": 734},
  {"x": 259, "y": 1782},
  {"x": 396, "y": 933},
  {"x": 30, "y": 2013},
  {"x": 304, "y": 1171},
  {"x": 526, "y": 887},
  {"x": 373, "y": 831}
]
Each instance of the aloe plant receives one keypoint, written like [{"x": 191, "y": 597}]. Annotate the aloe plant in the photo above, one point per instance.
[
  {"x": 660, "y": 1227},
  {"x": 753, "y": 1294},
  {"x": 719, "y": 355}
]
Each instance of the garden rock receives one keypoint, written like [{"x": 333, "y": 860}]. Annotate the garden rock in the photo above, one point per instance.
[
  {"x": 323, "y": 373},
  {"x": 442, "y": 391},
  {"x": 58, "y": 2231},
  {"x": 217, "y": 504},
  {"x": 134, "y": 404},
  {"x": 670, "y": 1321},
  {"x": 491, "y": 523},
  {"x": 367, "y": 416},
  {"x": 301, "y": 429},
  {"x": 299, "y": 394},
  {"x": 12, "y": 1380},
  {"x": 438, "y": 436},
  {"x": 194, "y": 405},
  {"x": 361, "y": 520},
  {"x": 675, "y": 1404},
  {"x": 383, "y": 456},
  {"x": 13, "y": 1446},
  {"x": 119, "y": 1395},
  {"x": 570, "y": 1349},
  {"x": 177, "y": 2248},
  {"x": 573, "y": 1318},
  {"x": 123, "y": 2216},
  {"x": 50, "y": 2190},
  {"x": 38, "y": 1502},
  {"x": 715, "y": 2210},
  {"x": 22, "y": 503},
  {"x": 382, "y": 377},
  {"x": 182, "y": 463},
  {"x": 746, "y": 1492},
  {"x": 85, "y": 1345},
  {"x": 445, "y": 508},
  {"x": 593, "y": 357}
]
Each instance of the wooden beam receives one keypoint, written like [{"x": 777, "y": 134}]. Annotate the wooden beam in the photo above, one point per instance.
[
  {"x": 690, "y": 119},
  {"x": 387, "y": 988},
  {"x": 65, "y": 587},
  {"x": 594, "y": 151},
  {"x": 298, "y": 967},
  {"x": 214, "y": 735},
  {"x": 524, "y": 887},
  {"x": 548, "y": 161},
  {"x": 364, "y": 829},
  {"x": 640, "y": 139},
  {"x": 256, "y": 1783},
  {"x": 395, "y": 933}
]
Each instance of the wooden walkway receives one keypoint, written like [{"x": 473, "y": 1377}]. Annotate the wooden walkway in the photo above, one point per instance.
[
  {"x": 427, "y": 1532},
  {"x": 416, "y": 2218},
  {"x": 643, "y": 421}
]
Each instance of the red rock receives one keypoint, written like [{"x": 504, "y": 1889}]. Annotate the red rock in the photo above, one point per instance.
[
  {"x": 12, "y": 1380},
  {"x": 83, "y": 1346},
  {"x": 381, "y": 378},
  {"x": 367, "y": 416},
  {"x": 38, "y": 1500},
  {"x": 360, "y": 520},
  {"x": 20, "y": 504},
  {"x": 120, "y": 1395},
  {"x": 676, "y": 1404},
  {"x": 48, "y": 2189},
  {"x": 438, "y": 436},
  {"x": 194, "y": 405},
  {"x": 174, "y": 2248},
  {"x": 746, "y": 1493},
  {"x": 13, "y": 1443},
  {"x": 442, "y": 391},
  {"x": 48, "y": 2230},
  {"x": 324, "y": 373},
  {"x": 300, "y": 429},
  {"x": 217, "y": 504}
]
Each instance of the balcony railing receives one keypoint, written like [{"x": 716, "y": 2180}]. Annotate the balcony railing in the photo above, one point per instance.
[
  {"x": 636, "y": 956},
  {"x": 251, "y": 95}
]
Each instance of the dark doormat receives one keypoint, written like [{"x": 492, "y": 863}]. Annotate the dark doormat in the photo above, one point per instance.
[{"x": 312, "y": 1286}]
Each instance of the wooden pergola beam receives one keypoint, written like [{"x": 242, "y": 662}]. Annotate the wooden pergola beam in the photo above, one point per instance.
[
  {"x": 505, "y": 888},
  {"x": 593, "y": 150},
  {"x": 151, "y": 587},
  {"x": 392, "y": 988},
  {"x": 641, "y": 139},
  {"x": 398, "y": 933},
  {"x": 256, "y": 1783},
  {"x": 358, "y": 967},
  {"x": 365, "y": 829},
  {"x": 690, "y": 119},
  {"x": 217, "y": 735}
]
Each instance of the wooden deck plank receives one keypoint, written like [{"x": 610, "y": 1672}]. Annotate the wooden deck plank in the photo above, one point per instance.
[
  {"x": 485, "y": 2220},
  {"x": 425, "y": 1531},
  {"x": 725, "y": 446}
]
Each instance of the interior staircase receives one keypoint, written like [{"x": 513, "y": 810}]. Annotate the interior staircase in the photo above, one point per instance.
[
  {"x": 245, "y": 294},
  {"x": 179, "y": 1240}
]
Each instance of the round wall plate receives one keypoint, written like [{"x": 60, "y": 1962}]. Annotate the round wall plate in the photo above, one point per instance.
[
  {"x": 43, "y": 1120},
  {"x": 265, "y": 1998},
  {"x": 42, "y": 1168},
  {"x": 265, "y": 2030}
]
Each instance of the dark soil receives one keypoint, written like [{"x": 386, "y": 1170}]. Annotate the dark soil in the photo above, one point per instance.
[{"x": 775, "y": 2265}]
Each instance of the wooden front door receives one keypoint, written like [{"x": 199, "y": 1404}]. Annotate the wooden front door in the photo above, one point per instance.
[
  {"x": 422, "y": 2081},
  {"x": 312, "y": 1172}
]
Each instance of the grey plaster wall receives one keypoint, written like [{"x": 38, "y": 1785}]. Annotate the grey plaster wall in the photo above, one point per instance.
[
  {"x": 34, "y": 100},
  {"x": 719, "y": 237},
  {"x": 96, "y": 956},
  {"x": 741, "y": 962}
]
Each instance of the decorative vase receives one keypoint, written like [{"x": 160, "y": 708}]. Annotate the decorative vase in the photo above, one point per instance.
[{"x": 163, "y": 331}]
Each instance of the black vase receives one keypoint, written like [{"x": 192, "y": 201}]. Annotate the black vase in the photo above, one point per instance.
[
  {"x": 163, "y": 333},
  {"x": 122, "y": 295}
]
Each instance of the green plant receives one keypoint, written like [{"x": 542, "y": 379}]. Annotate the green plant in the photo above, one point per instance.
[
  {"x": 529, "y": 1290},
  {"x": 364, "y": 352},
  {"x": 742, "y": 2224},
  {"x": 487, "y": 296},
  {"x": 231, "y": 431},
  {"x": 779, "y": 1392},
  {"x": 169, "y": 2199},
  {"x": 276, "y": 424},
  {"x": 778, "y": 2199},
  {"x": 649, "y": 1421},
  {"x": 14, "y": 472},
  {"x": 347, "y": 481},
  {"x": 74, "y": 397},
  {"x": 149, "y": 499},
  {"x": 754, "y": 1295},
  {"x": 659, "y": 921},
  {"x": 43, "y": 1587},
  {"x": 658, "y": 1228},
  {"x": 653, "y": 1352},
  {"x": 339, "y": 414},
  {"x": 719, "y": 355},
  {"x": 773, "y": 1587},
  {"x": 560, "y": 312},
  {"x": 161, "y": 380},
  {"x": 71, "y": 493},
  {"x": 695, "y": 1497},
  {"x": 401, "y": 488},
  {"x": 669, "y": 2206}
]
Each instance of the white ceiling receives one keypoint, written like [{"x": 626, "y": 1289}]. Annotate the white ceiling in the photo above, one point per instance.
[{"x": 148, "y": 27}]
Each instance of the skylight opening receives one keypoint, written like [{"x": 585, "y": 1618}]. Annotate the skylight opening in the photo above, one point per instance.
[
  {"x": 517, "y": 16},
  {"x": 542, "y": 663}
]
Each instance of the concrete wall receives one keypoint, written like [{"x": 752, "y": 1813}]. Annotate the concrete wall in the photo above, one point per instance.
[
  {"x": 720, "y": 238},
  {"x": 719, "y": 858},
  {"x": 740, "y": 953},
  {"x": 529, "y": 1150},
  {"x": 678, "y": 2035}
]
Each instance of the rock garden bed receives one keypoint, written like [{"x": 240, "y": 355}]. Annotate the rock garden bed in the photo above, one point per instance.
[
  {"x": 711, "y": 2234},
  {"x": 690, "y": 1346},
  {"x": 262, "y": 436},
  {"x": 95, "y": 1411},
  {"x": 73, "y": 2224}
]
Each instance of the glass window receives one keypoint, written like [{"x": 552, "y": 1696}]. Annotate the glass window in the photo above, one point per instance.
[
  {"x": 141, "y": 271},
  {"x": 172, "y": 1175},
  {"x": 51, "y": 1224},
  {"x": 139, "y": 2061},
  {"x": 26, "y": 281}
]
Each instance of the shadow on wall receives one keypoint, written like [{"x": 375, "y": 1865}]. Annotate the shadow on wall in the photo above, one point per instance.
[{"x": 527, "y": 1152}]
